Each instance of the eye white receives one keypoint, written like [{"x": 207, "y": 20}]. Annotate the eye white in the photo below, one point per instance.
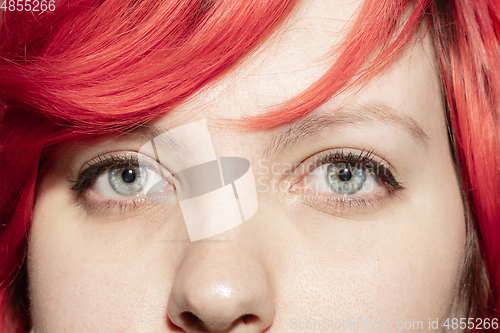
[{"x": 110, "y": 184}]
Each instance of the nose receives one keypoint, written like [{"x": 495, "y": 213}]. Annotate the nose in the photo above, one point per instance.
[{"x": 220, "y": 287}]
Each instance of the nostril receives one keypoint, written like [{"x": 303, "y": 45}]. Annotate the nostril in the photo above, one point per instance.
[
  {"x": 193, "y": 322},
  {"x": 250, "y": 319}
]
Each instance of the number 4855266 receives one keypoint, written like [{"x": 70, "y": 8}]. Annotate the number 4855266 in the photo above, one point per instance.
[
  {"x": 28, "y": 5},
  {"x": 471, "y": 323}
]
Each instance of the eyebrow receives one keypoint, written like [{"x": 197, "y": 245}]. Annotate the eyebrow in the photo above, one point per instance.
[
  {"x": 159, "y": 134},
  {"x": 361, "y": 113}
]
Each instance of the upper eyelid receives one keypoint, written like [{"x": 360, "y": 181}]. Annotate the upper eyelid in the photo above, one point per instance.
[
  {"x": 314, "y": 161},
  {"x": 123, "y": 157},
  {"x": 107, "y": 159},
  {"x": 318, "y": 159},
  {"x": 378, "y": 160}
]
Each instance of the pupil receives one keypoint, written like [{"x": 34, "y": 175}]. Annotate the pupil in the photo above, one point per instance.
[
  {"x": 128, "y": 176},
  {"x": 345, "y": 175}
]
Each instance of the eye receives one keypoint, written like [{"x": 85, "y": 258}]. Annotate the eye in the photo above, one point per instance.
[
  {"x": 343, "y": 178},
  {"x": 123, "y": 180}
]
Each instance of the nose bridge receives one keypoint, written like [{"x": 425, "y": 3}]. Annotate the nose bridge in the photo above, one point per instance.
[
  {"x": 215, "y": 194},
  {"x": 221, "y": 287}
]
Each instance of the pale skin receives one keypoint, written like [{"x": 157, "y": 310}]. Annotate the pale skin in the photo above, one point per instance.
[{"x": 297, "y": 259}]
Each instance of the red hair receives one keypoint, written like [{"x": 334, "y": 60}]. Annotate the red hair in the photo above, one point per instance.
[{"x": 98, "y": 68}]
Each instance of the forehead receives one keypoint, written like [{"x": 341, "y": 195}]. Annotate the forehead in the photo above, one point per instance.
[
  {"x": 301, "y": 51},
  {"x": 288, "y": 62}
]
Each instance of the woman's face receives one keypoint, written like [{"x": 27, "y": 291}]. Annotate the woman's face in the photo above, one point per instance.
[{"x": 359, "y": 221}]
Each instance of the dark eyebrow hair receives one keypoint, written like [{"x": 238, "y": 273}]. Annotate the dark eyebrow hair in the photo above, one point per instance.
[{"x": 360, "y": 113}]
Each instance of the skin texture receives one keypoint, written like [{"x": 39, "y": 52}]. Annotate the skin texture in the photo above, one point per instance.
[{"x": 298, "y": 259}]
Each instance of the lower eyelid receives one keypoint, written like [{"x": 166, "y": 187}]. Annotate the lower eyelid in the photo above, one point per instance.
[
  {"x": 340, "y": 204},
  {"x": 97, "y": 205}
]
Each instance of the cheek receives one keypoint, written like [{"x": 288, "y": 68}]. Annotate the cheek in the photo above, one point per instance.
[
  {"x": 85, "y": 284},
  {"x": 403, "y": 266},
  {"x": 102, "y": 277},
  {"x": 396, "y": 278}
]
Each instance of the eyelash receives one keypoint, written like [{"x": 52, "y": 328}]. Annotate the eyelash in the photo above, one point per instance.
[
  {"x": 364, "y": 158},
  {"x": 95, "y": 167},
  {"x": 103, "y": 162}
]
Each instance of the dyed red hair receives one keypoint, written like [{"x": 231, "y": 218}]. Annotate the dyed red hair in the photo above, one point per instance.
[{"x": 96, "y": 68}]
